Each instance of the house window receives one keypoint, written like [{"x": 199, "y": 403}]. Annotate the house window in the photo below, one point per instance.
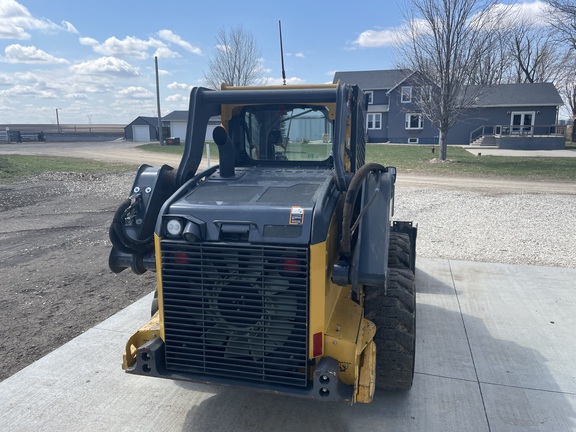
[
  {"x": 406, "y": 94},
  {"x": 375, "y": 121},
  {"x": 412, "y": 140},
  {"x": 370, "y": 97},
  {"x": 426, "y": 93},
  {"x": 414, "y": 121}
]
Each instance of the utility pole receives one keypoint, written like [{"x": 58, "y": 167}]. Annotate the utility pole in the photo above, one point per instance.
[
  {"x": 160, "y": 134},
  {"x": 58, "y": 120}
]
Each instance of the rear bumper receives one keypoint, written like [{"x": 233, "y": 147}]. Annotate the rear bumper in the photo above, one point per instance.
[{"x": 324, "y": 384}]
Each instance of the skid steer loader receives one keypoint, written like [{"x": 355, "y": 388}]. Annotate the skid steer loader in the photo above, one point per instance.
[{"x": 279, "y": 269}]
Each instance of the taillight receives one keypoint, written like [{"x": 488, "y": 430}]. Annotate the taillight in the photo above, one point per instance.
[
  {"x": 290, "y": 265},
  {"x": 317, "y": 348},
  {"x": 180, "y": 258}
]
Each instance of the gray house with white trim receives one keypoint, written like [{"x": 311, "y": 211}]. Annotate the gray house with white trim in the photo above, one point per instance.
[{"x": 506, "y": 115}]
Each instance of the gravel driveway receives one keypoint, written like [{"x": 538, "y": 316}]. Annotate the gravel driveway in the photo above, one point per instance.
[{"x": 54, "y": 246}]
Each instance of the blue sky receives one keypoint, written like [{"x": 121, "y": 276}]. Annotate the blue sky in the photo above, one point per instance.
[{"x": 94, "y": 60}]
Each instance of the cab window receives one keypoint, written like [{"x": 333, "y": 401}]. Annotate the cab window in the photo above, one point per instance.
[{"x": 287, "y": 133}]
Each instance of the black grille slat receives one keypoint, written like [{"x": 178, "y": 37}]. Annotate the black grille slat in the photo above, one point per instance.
[{"x": 236, "y": 311}]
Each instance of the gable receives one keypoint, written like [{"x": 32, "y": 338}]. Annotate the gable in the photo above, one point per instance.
[
  {"x": 141, "y": 120},
  {"x": 374, "y": 79},
  {"x": 176, "y": 116}
]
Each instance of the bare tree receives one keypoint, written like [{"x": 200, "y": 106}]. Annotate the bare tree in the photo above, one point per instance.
[
  {"x": 566, "y": 85},
  {"x": 494, "y": 66},
  {"x": 447, "y": 41},
  {"x": 534, "y": 52},
  {"x": 562, "y": 18},
  {"x": 235, "y": 60}
]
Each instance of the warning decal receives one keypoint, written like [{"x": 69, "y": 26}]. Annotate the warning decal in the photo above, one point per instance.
[{"x": 296, "y": 215}]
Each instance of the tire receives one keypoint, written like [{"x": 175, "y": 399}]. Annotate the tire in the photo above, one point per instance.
[
  {"x": 393, "y": 311},
  {"x": 399, "y": 252}
]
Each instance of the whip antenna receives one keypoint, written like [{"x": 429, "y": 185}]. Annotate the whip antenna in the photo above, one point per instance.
[{"x": 282, "y": 52}]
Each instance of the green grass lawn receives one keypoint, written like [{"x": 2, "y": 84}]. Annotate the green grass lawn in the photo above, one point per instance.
[
  {"x": 408, "y": 159},
  {"x": 18, "y": 167},
  {"x": 418, "y": 160}
]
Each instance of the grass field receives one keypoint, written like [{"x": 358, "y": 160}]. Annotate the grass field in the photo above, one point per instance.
[
  {"x": 17, "y": 167},
  {"x": 408, "y": 159},
  {"x": 421, "y": 160}
]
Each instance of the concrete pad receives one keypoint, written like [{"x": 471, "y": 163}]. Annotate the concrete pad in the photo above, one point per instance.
[
  {"x": 488, "y": 359},
  {"x": 520, "y": 321},
  {"x": 441, "y": 345},
  {"x": 490, "y": 151},
  {"x": 513, "y": 409}
]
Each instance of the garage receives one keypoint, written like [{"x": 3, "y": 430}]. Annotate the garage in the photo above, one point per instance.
[
  {"x": 142, "y": 129},
  {"x": 140, "y": 133},
  {"x": 178, "y": 129}
]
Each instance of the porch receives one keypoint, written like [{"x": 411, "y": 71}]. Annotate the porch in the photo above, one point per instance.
[{"x": 520, "y": 137}]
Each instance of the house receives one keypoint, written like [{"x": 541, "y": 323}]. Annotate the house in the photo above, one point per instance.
[
  {"x": 142, "y": 129},
  {"x": 145, "y": 129},
  {"x": 177, "y": 121},
  {"x": 514, "y": 116},
  {"x": 507, "y": 115}
]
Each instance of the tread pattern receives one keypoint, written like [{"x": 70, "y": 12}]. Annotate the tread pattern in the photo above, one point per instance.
[
  {"x": 393, "y": 311},
  {"x": 399, "y": 251}
]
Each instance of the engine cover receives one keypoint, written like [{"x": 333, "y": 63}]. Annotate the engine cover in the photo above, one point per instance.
[{"x": 260, "y": 206}]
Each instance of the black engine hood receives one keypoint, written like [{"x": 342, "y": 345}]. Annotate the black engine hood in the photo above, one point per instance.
[{"x": 261, "y": 205}]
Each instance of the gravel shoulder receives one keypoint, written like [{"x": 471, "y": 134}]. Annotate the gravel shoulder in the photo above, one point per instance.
[{"x": 54, "y": 243}]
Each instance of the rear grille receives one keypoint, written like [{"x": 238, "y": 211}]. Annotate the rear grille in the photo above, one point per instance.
[{"x": 237, "y": 312}]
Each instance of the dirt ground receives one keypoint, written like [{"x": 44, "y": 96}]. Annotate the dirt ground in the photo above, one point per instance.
[
  {"x": 54, "y": 276},
  {"x": 55, "y": 281}
]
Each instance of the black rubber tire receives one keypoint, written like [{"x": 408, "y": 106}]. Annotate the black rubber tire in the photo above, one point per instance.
[
  {"x": 393, "y": 311},
  {"x": 399, "y": 252}
]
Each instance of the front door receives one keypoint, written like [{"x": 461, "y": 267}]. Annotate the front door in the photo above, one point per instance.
[{"x": 522, "y": 122}]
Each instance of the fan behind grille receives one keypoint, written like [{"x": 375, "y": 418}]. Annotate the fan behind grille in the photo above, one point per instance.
[{"x": 236, "y": 311}]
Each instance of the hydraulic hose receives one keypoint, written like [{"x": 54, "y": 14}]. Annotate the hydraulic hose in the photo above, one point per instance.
[
  {"x": 118, "y": 236},
  {"x": 350, "y": 201}
]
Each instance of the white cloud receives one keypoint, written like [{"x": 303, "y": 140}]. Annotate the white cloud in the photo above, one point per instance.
[
  {"x": 67, "y": 26},
  {"x": 17, "y": 53},
  {"x": 533, "y": 13},
  {"x": 298, "y": 54},
  {"x": 136, "y": 93},
  {"x": 106, "y": 65},
  {"x": 380, "y": 38},
  {"x": 76, "y": 96},
  {"x": 176, "y": 98},
  {"x": 390, "y": 37},
  {"x": 16, "y": 21},
  {"x": 163, "y": 72},
  {"x": 88, "y": 41},
  {"x": 30, "y": 91},
  {"x": 223, "y": 48},
  {"x": 165, "y": 52},
  {"x": 170, "y": 36},
  {"x": 127, "y": 47},
  {"x": 180, "y": 86},
  {"x": 280, "y": 81}
]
